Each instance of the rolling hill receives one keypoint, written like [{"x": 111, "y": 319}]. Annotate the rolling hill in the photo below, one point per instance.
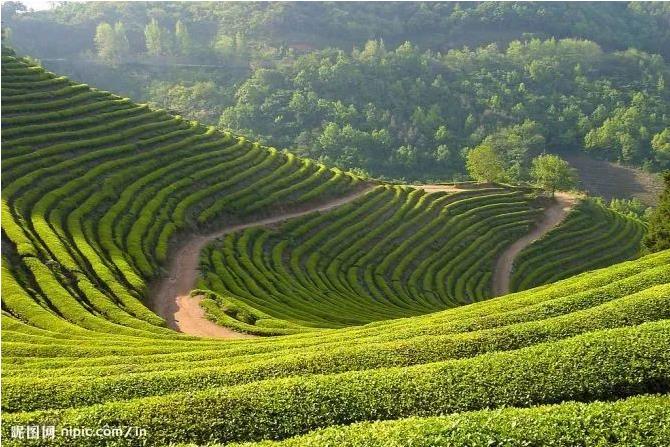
[
  {"x": 385, "y": 292},
  {"x": 95, "y": 186}
]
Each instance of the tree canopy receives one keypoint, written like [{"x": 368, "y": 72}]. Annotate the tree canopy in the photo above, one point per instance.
[
  {"x": 533, "y": 97},
  {"x": 552, "y": 173},
  {"x": 397, "y": 89},
  {"x": 658, "y": 234},
  {"x": 484, "y": 164},
  {"x": 111, "y": 42}
]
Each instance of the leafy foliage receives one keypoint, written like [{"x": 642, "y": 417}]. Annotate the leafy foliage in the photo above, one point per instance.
[
  {"x": 484, "y": 164},
  {"x": 658, "y": 237},
  {"x": 635, "y": 421},
  {"x": 159, "y": 40},
  {"x": 408, "y": 112},
  {"x": 111, "y": 42},
  {"x": 552, "y": 173},
  {"x": 633, "y": 208},
  {"x": 437, "y": 26},
  {"x": 403, "y": 110}
]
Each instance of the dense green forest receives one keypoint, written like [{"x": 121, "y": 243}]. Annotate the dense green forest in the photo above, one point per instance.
[
  {"x": 273, "y": 25},
  {"x": 401, "y": 90},
  {"x": 406, "y": 110}
]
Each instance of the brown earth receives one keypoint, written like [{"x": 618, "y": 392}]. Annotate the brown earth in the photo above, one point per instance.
[
  {"x": 437, "y": 188},
  {"x": 610, "y": 180}
]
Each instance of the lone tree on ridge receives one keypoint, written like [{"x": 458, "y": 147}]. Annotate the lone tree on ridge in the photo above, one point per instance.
[
  {"x": 552, "y": 173},
  {"x": 484, "y": 164}
]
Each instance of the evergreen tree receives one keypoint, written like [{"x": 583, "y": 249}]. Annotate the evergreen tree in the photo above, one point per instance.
[
  {"x": 658, "y": 234},
  {"x": 158, "y": 39},
  {"x": 183, "y": 42}
]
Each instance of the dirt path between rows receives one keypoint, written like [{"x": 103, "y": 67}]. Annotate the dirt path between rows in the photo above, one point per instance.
[
  {"x": 553, "y": 216},
  {"x": 169, "y": 297},
  {"x": 437, "y": 188},
  {"x": 452, "y": 187}
]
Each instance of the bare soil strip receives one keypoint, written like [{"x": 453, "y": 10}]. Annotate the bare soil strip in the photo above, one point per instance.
[
  {"x": 553, "y": 216},
  {"x": 438, "y": 188},
  {"x": 169, "y": 297}
]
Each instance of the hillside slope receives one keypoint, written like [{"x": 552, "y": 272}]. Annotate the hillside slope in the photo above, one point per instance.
[
  {"x": 395, "y": 252},
  {"x": 98, "y": 189},
  {"x": 95, "y": 187},
  {"x": 592, "y": 236}
]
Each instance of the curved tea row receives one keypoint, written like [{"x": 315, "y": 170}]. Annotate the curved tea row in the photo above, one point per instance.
[
  {"x": 95, "y": 187},
  {"x": 581, "y": 338},
  {"x": 592, "y": 236},
  {"x": 393, "y": 253}
]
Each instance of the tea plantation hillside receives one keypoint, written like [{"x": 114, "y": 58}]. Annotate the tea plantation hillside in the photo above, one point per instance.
[
  {"x": 601, "y": 336},
  {"x": 94, "y": 187},
  {"x": 389, "y": 296},
  {"x": 395, "y": 252}
]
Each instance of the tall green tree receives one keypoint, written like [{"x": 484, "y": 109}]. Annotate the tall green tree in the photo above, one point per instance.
[
  {"x": 105, "y": 42},
  {"x": 517, "y": 145},
  {"x": 183, "y": 42},
  {"x": 111, "y": 42},
  {"x": 552, "y": 173},
  {"x": 484, "y": 164},
  {"x": 660, "y": 143},
  {"x": 658, "y": 233},
  {"x": 158, "y": 39}
]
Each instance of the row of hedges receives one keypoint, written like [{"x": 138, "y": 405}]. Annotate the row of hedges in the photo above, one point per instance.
[
  {"x": 591, "y": 237},
  {"x": 443, "y": 256},
  {"x": 599, "y": 365},
  {"x": 640, "y": 421}
]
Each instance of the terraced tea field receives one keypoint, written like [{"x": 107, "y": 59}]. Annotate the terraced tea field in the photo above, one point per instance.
[
  {"x": 96, "y": 213},
  {"x": 381, "y": 296},
  {"x": 393, "y": 253},
  {"x": 591, "y": 237},
  {"x": 599, "y": 336}
]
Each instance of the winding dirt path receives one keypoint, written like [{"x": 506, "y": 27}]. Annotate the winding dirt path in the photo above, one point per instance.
[
  {"x": 437, "y": 187},
  {"x": 169, "y": 296},
  {"x": 553, "y": 216}
]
